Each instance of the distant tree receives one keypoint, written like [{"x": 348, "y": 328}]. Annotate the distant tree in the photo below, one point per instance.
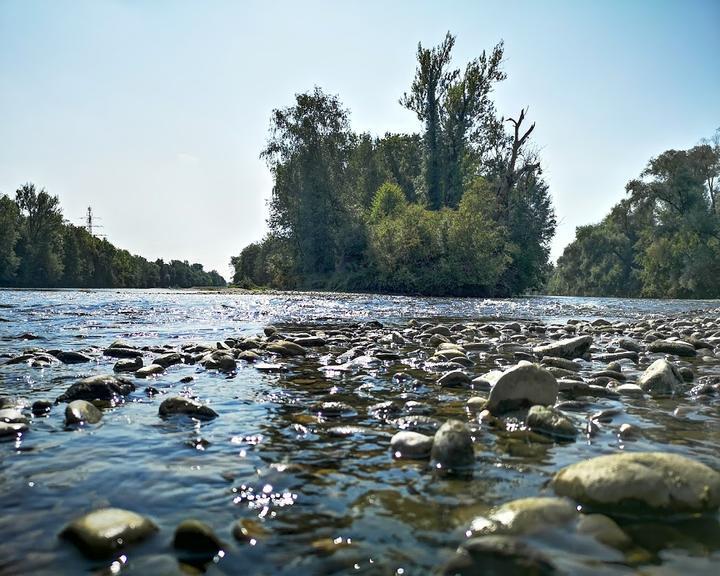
[
  {"x": 9, "y": 233},
  {"x": 40, "y": 244}
]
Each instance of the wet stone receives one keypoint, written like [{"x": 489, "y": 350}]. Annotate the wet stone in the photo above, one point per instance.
[
  {"x": 522, "y": 385},
  {"x": 452, "y": 448},
  {"x": 569, "y": 348},
  {"x": 128, "y": 364},
  {"x": 552, "y": 422},
  {"x": 102, "y": 387},
  {"x": 525, "y": 516},
  {"x": 72, "y": 357},
  {"x": 677, "y": 348},
  {"x": 103, "y": 532},
  {"x": 41, "y": 407},
  {"x": 82, "y": 412},
  {"x": 178, "y": 405},
  {"x": 504, "y": 555},
  {"x": 122, "y": 352},
  {"x": 454, "y": 379},
  {"x": 8, "y": 429},
  {"x": 195, "y": 536},
  {"x": 412, "y": 445},
  {"x": 657, "y": 481},
  {"x": 661, "y": 378},
  {"x": 149, "y": 370}
]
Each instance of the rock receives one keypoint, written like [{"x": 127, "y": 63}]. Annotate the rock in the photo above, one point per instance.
[
  {"x": 498, "y": 555},
  {"x": 179, "y": 405},
  {"x": 249, "y": 356},
  {"x": 269, "y": 330},
  {"x": 630, "y": 390},
  {"x": 310, "y": 341},
  {"x": 286, "y": 348},
  {"x": 12, "y": 416},
  {"x": 522, "y": 385},
  {"x": 149, "y": 370},
  {"x": 82, "y": 412},
  {"x": 686, "y": 374},
  {"x": 248, "y": 530},
  {"x": 629, "y": 344},
  {"x": 551, "y": 422},
  {"x": 333, "y": 409},
  {"x": 562, "y": 363},
  {"x": 102, "y": 387},
  {"x": 452, "y": 449},
  {"x": 167, "y": 360},
  {"x": 195, "y": 536},
  {"x": 525, "y": 516},
  {"x": 103, "y": 532},
  {"x": 661, "y": 378},
  {"x": 72, "y": 357},
  {"x": 628, "y": 432},
  {"x": 569, "y": 348},
  {"x": 117, "y": 352},
  {"x": 656, "y": 481},
  {"x": 128, "y": 365},
  {"x": 454, "y": 379},
  {"x": 412, "y": 445},
  {"x": 604, "y": 530},
  {"x": 676, "y": 347},
  {"x": 221, "y": 361},
  {"x": 41, "y": 407},
  {"x": 12, "y": 429}
]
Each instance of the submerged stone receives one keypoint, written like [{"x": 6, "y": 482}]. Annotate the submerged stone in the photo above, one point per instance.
[
  {"x": 103, "y": 532},
  {"x": 412, "y": 445},
  {"x": 525, "y": 516},
  {"x": 550, "y": 421},
  {"x": 179, "y": 405},
  {"x": 81, "y": 411},
  {"x": 195, "y": 536}
]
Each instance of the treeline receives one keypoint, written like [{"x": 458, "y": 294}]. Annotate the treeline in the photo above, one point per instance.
[
  {"x": 661, "y": 241},
  {"x": 38, "y": 249},
  {"x": 460, "y": 208}
]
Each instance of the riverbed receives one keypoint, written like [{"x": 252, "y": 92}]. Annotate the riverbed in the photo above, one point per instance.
[{"x": 322, "y": 493}]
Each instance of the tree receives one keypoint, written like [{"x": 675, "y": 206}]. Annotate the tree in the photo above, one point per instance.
[
  {"x": 307, "y": 153},
  {"x": 429, "y": 88},
  {"x": 40, "y": 245},
  {"x": 9, "y": 233}
]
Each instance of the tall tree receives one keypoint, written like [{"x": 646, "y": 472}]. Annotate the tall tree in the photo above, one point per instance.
[
  {"x": 9, "y": 233},
  {"x": 307, "y": 152},
  {"x": 40, "y": 245},
  {"x": 433, "y": 78}
]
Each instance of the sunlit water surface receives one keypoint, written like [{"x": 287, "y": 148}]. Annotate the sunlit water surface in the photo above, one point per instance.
[{"x": 326, "y": 501}]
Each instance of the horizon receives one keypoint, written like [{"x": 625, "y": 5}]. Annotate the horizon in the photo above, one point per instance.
[{"x": 167, "y": 127}]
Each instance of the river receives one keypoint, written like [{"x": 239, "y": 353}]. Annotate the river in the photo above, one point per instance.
[{"x": 321, "y": 495}]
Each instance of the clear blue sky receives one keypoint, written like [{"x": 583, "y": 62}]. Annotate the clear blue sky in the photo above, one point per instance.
[{"x": 154, "y": 112}]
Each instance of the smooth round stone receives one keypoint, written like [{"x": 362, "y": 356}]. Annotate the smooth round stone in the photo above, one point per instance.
[
  {"x": 179, "y": 405},
  {"x": 12, "y": 429},
  {"x": 628, "y": 432},
  {"x": 630, "y": 390},
  {"x": 654, "y": 481},
  {"x": 101, "y": 387},
  {"x": 128, "y": 364},
  {"x": 524, "y": 384},
  {"x": 501, "y": 555},
  {"x": 103, "y": 532},
  {"x": 411, "y": 445},
  {"x": 149, "y": 370},
  {"x": 550, "y": 421},
  {"x": 452, "y": 448},
  {"x": 604, "y": 530},
  {"x": 525, "y": 516},
  {"x": 41, "y": 407},
  {"x": 82, "y": 412},
  {"x": 195, "y": 536},
  {"x": 454, "y": 379}
]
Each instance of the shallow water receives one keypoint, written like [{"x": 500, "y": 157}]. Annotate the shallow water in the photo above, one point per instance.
[{"x": 325, "y": 493}]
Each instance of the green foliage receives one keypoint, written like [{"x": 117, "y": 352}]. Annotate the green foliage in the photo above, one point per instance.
[
  {"x": 412, "y": 213},
  {"x": 38, "y": 250},
  {"x": 662, "y": 241}
]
